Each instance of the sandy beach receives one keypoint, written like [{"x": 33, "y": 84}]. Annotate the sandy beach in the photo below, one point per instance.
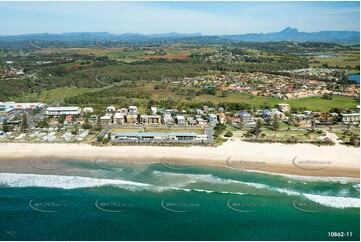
[{"x": 297, "y": 159}]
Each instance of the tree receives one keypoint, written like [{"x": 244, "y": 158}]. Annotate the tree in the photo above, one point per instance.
[
  {"x": 291, "y": 120},
  {"x": 228, "y": 134},
  {"x": 355, "y": 140},
  {"x": 327, "y": 96},
  {"x": 276, "y": 124},
  {"x": 241, "y": 123},
  {"x": 75, "y": 131},
  {"x": 6, "y": 128},
  {"x": 224, "y": 94},
  {"x": 257, "y": 129},
  {"x": 24, "y": 122},
  {"x": 87, "y": 125}
]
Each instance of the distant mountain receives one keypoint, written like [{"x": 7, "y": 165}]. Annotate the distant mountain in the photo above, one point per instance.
[
  {"x": 288, "y": 34},
  {"x": 91, "y": 36},
  {"x": 292, "y": 34}
]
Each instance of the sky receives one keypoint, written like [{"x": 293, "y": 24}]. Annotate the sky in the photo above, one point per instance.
[{"x": 208, "y": 18}]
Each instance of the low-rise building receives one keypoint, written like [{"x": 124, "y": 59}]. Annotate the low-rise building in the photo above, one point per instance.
[
  {"x": 68, "y": 119},
  {"x": 88, "y": 110},
  {"x": 118, "y": 118},
  {"x": 57, "y": 111},
  {"x": 133, "y": 110},
  {"x": 222, "y": 118},
  {"x": 212, "y": 119},
  {"x": 180, "y": 119},
  {"x": 123, "y": 111},
  {"x": 233, "y": 120},
  {"x": 205, "y": 109},
  {"x": 106, "y": 119},
  {"x": 132, "y": 119},
  {"x": 191, "y": 121},
  {"x": 154, "y": 110},
  {"x": 246, "y": 117},
  {"x": 284, "y": 107},
  {"x": 348, "y": 118},
  {"x": 150, "y": 119},
  {"x": 110, "y": 109},
  {"x": 160, "y": 136},
  {"x": 167, "y": 119},
  {"x": 201, "y": 121}
]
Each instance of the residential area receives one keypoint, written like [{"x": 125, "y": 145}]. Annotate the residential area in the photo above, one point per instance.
[
  {"x": 39, "y": 122},
  {"x": 276, "y": 86}
]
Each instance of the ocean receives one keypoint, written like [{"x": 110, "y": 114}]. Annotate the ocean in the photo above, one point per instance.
[{"x": 82, "y": 200}]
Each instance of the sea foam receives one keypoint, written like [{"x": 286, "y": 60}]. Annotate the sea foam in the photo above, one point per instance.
[
  {"x": 335, "y": 202},
  {"x": 63, "y": 182}
]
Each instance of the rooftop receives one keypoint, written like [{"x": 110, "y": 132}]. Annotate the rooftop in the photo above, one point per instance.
[{"x": 62, "y": 108}]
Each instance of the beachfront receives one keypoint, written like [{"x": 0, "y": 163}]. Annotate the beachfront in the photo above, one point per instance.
[{"x": 297, "y": 159}]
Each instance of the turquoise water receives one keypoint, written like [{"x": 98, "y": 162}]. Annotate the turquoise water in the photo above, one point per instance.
[{"x": 78, "y": 200}]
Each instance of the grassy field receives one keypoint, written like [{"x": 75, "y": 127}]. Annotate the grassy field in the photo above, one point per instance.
[{"x": 341, "y": 60}]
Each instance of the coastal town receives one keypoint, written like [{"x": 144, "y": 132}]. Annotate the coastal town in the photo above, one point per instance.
[{"x": 39, "y": 122}]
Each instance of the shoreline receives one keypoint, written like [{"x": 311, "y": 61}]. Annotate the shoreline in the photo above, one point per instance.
[{"x": 292, "y": 159}]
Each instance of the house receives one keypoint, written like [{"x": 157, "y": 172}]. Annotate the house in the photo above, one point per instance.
[
  {"x": 168, "y": 111},
  {"x": 205, "y": 109},
  {"x": 222, "y": 118},
  {"x": 123, "y": 111},
  {"x": 80, "y": 120},
  {"x": 233, "y": 120},
  {"x": 191, "y": 121},
  {"x": 201, "y": 121},
  {"x": 110, "y": 109},
  {"x": 57, "y": 111},
  {"x": 180, "y": 119},
  {"x": 88, "y": 110},
  {"x": 150, "y": 119},
  {"x": 118, "y": 118},
  {"x": 246, "y": 117},
  {"x": 278, "y": 114},
  {"x": 132, "y": 119},
  {"x": 68, "y": 119},
  {"x": 154, "y": 110},
  {"x": 199, "y": 111},
  {"x": 284, "y": 107},
  {"x": 133, "y": 110},
  {"x": 106, "y": 119},
  {"x": 212, "y": 119},
  {"x": 167, "y": 119}
]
